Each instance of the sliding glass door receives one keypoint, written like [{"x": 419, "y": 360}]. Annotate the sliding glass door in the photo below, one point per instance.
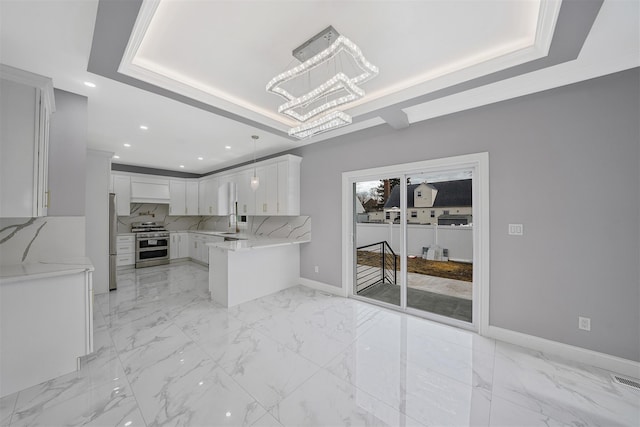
[
  {"x": 413, "y": 242},
  {"x": 377, "y": 243},
  {"x": 439, "y": 248}
]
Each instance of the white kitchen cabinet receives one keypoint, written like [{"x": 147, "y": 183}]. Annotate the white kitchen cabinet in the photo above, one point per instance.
[
  {"x": 47, "y": 324},
  {"x": 191, "y": 197},
  {"x": 177, "y": 201},
  {"x": 122, "y": 188},
  {"x": 125, "y": 250},
  {"x": 148, "y": 189},
  {"x": 289, "y": 186},
  {"x": 267, "y": 192},
  {"x": 27, "y": 103},
  {"x": 195, "y": 242},
  {"x": 202, "y": 194},
  {"x": 208, "y": 196},
  {"x": 183, "y": 197},
  {"x": 179, "y": 245},
  {"x": 246, "y": 196},
  {"x": 277, "y": 194},
  {"x": 227, "y": 195},
  {"x": 203, "y": 250}
]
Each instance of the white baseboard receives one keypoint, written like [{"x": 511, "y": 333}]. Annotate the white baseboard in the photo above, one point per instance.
[
  {"x": 323, "y": 287},
  {"x": 567, "y": 351}
]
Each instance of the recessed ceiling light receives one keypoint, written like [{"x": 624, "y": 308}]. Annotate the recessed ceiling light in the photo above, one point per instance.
[
  {"x": 200, "y": 158},
  {"x": 143, "y": 127},
  {"x": 228, "y": 147},
  {"x": 89, "y": 84},
  {"x": 127, "y": 145},
  {"x": 182, "y": 166},
  {"x": 115, "y": 156}
]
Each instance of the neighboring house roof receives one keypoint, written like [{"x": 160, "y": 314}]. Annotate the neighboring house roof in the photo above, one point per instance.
[
  {"x": 453, "y": 193},
  {"x": 450, "y": 193}
]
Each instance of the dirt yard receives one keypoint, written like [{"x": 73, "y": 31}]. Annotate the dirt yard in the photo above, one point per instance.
[{"x": 447, "y": 269}]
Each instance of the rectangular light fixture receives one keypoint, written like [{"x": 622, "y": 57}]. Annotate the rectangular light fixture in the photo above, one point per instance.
[
  {"x": 337, "y": 90},
  {"x": 327, "y": 122}
]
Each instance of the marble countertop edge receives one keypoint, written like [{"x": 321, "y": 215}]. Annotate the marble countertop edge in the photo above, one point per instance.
[
  {"x": 44, "y": 268},
  {"x": 261, "y": 243}
]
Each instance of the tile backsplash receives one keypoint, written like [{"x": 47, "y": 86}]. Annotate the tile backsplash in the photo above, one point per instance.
[{"x": 296, "y": 227}]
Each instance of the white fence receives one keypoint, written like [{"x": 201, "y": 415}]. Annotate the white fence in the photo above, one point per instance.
[{"x": 457, "y": 239}]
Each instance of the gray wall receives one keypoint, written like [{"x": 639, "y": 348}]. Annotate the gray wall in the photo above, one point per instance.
[
  {"x": 97, "y": 216},
  {"x": 67, "y": 155},
  {"x": 565, "y": 163}
]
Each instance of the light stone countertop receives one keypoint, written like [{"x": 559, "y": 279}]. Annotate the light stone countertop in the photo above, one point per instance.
[
  {"x": 239, "y": 235},
  {"x": 256, "y": 242},
  {"x": 43, "y": 269},
  {"x": 245, "y": 241}
]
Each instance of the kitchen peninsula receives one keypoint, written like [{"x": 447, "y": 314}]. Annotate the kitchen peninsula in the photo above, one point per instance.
[{"x": 252, "y": 267}]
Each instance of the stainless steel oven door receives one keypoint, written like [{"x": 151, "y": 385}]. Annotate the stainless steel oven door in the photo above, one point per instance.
[{"x": 152, "y": 251}]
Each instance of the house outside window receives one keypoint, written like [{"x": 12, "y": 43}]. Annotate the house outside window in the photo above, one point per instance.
[
  {"x": 387, "y": 215},
  {"x": 414, "y": 214},
  {"x": 433, "y": 214},
  {"x": 419, "y": 193},
  {"x": 445, "y": 212}
]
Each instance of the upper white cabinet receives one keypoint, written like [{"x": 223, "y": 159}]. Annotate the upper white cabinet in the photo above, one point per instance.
[
  {"x": 183, "y": 197},
  {"x": 191, "y": 197},
  {"x": 246, "y": 196},
  {"x": 122, "y": 188},
  {"x": 227, "y": 195},
  {"x": 277, "y": 194},
  {"x": 267, "y": 192},
  {"x": 26, "y": 103},
  {"x": 289, "y": 186},
  {"x": 208, "y": 196},
  {"x": 177, "y": 203},
  {"x": 149, "y": 190}
]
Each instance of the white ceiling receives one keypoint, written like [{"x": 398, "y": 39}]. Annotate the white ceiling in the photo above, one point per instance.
[{"x": 232, "y": 49}]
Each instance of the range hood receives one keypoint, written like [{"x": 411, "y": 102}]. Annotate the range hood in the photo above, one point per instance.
[{"x": 150, "y": 191}]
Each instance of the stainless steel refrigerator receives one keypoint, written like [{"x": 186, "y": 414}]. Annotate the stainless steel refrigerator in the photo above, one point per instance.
[{"x": 113, "y": 231}]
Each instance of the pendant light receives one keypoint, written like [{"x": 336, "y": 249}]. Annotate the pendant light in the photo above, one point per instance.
[{"x": 255, "y": 182}]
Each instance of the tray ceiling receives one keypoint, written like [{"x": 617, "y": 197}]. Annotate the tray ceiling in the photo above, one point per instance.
[{"x": 195, "y": 72}]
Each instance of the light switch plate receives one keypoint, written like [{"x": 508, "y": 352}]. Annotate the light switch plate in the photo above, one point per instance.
[
  {"x": 516, "y": 230},
  {"x": 584, "y": 323}
]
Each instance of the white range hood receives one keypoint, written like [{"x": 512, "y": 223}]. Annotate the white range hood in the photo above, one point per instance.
[{"x": 149, "y": 190}]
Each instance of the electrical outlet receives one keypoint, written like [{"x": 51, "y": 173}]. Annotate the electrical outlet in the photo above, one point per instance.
[
  {"x": 317, "y": 269},
  {"x": 516, "y": 230},
  {"x": 584, "y": 323}
]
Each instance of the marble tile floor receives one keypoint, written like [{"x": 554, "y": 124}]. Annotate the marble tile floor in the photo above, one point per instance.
[{"x": 166, "y": 355}]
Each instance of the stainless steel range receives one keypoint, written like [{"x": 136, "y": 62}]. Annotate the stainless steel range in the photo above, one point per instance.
[{"x": 152, "y": 244}]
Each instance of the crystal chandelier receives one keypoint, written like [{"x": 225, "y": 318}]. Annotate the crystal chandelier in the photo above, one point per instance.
[{"x": 317, "y": 109}]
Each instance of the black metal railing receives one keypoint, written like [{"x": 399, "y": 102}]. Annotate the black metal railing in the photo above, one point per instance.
[{"x": 377, "y": 263}]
